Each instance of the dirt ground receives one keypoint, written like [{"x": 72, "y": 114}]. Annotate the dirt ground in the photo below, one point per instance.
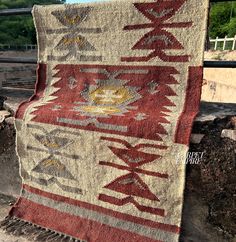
[{"x": 213, "y": 180}]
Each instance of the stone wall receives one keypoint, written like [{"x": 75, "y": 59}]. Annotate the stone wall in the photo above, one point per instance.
[{"x": 18, "y": 76}]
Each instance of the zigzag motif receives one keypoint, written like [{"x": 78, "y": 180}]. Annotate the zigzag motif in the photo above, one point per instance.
[
  {"x": 96, "y": 97},
  {"x": 46, "y": 98}
]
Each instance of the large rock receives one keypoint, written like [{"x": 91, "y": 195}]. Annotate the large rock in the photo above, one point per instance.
[
  {"x": 10, "y": 120},
  {"x": 4, "y": 114},
  {"x": 196, "y": 138},
  {"x": 229, "y": 133}
]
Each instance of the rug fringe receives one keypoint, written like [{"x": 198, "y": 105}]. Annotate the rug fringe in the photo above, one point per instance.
[{"x": 18, "y": 227}]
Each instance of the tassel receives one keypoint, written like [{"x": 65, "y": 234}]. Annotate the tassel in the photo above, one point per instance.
[
  {"x": 17, "y": 227},
  {"x": 52, "y": 237},
  {"x": 43, "y": 236},
  {"x": 66, "y": 239},
  {"x": 5, "y": 221},
  {"x": 57, "y": 237}
]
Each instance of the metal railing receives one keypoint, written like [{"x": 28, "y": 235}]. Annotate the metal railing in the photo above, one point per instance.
[
  {"x": 19, "y": 11},
  {"x": 207, "y": 64},
  {"x": 5, "y": 47},
  {"x": 23, "y": 11}
]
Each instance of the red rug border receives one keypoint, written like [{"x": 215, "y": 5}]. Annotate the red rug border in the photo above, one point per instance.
[
  {"x": 191, "y": 105},
  {"x": 80, "y": 228},
  {"x": 145, "y": 222}
]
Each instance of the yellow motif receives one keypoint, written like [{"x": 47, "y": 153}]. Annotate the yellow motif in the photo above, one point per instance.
[
  {"x": 50, "y": 144},
  {"x": 50, "y": 162},
  {"x": 76, "y": 40},
  {"x": 110, "y": 95},
  {"x": 107, "y": 99},
  {"x": 101, "y": 109},
  {"x": 72, "y": 20}
]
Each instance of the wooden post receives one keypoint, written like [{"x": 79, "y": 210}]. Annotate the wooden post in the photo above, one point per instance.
[
  {"x": 215, "y": 48},
  {"x": 233, "y": 46},
  {"x": 224, "y": 45}
]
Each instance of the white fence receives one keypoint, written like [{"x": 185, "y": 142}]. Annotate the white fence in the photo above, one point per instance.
[{"x": 223, "y": 44}]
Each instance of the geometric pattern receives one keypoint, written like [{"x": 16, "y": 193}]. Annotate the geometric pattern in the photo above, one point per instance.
[
  {"x": 49, "y": 182},
  {"x": 73, "y": 41},
  {"x": 119, "y": 85},
  {"x": 131, "y": 184},
  {"x": 109, "y": 96},
  {"x": 158, "y": 39},
  {"x": 51, "y": 165},
  {"x": 110, "y": 99}
]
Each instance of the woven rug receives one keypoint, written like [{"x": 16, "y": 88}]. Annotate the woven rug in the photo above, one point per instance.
[{"x": 103, "y": 141}]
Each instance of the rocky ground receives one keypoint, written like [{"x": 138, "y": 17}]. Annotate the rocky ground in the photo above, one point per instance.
[{"x": 210, "y": 198}]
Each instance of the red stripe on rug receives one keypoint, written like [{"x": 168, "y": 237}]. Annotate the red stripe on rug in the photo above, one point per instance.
[
  {"x": 191, "y": 105},
  {"x": 38, "y": 91},
  {"x": 161, "y": 226},
  {"x": 71, "y": 225}
]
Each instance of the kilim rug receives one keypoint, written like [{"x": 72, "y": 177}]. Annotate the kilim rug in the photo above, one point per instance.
[{"x": 103, "y": 141}]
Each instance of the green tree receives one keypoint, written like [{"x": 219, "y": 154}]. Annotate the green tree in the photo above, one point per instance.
[
  {"x": 19, "y": 30},
  {"x": 223, "y": 19}
]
